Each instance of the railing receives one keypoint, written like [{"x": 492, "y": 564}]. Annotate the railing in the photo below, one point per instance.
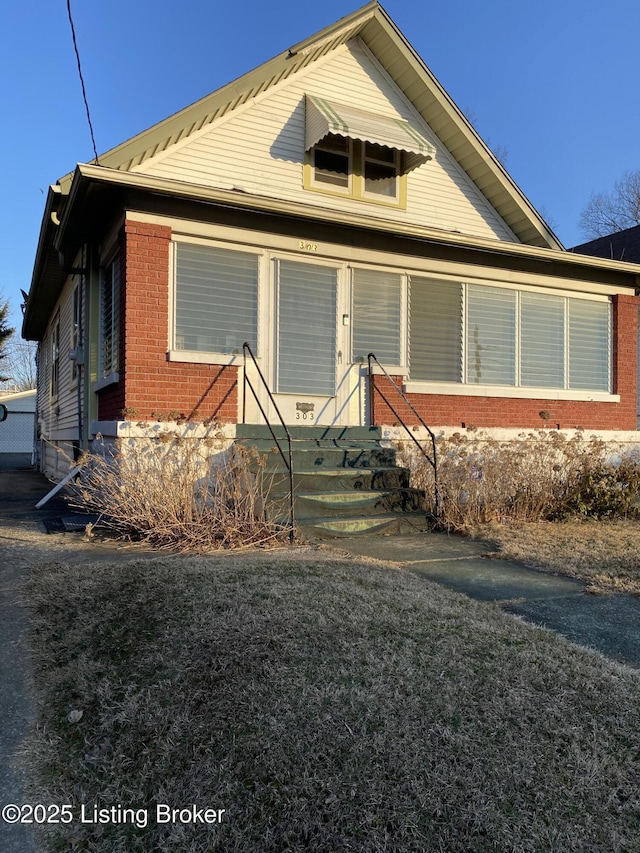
[
  {"x": 432, "y": 461},
  {"x": 288, "y": 459}
]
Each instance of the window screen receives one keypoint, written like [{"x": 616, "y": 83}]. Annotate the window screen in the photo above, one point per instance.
[
  {"x": 306, "y": 328},
  {"x": 216, "y": 299},
  {"x": 110, "y": 318},
  {"x": 542, "y": 340},
  {"x": 491, "y": 335},
  {"x": 435, "y": 337},
  {"x": 376, "y": 316},
  {"x": 589, "y": 333}
]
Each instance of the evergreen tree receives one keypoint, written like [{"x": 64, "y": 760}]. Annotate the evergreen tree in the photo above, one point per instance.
[{"x": 5, "y": 333}]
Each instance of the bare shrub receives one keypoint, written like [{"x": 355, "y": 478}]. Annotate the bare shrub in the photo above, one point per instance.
[
  {"x": 540, "y": 475},
  {"x": 173, "y": 493}
]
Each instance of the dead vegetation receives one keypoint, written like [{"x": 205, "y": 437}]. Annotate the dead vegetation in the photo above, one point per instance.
[
  {"x": 326, "y": 705},
  {"x": 541, "y": 475},
  {"x": 178, "y": 493}
]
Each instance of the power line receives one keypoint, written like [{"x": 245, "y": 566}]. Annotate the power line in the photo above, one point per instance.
[{"x": 84, "y": 91}]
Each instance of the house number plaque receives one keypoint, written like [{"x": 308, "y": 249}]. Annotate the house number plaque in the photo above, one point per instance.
[
  {"x": 307, "y": 247},
  {"x": 304, "y": 411}
]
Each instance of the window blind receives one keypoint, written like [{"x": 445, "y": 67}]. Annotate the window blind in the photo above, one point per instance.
[
  {"x": 307, "y": 311},
  {"x": 542, "y": 343},
  {"x": 435, "y": 336},
  {"x": 110, "y": 318},
  {"x": 376, "y": 316},
  {"x": 589, "y": 334},
  {"x": 491, "y": 335},
  {"x": 216, "y": 299}
]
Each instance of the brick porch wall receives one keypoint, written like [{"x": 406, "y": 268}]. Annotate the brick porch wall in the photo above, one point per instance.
[{"x": 149, "y": 384}]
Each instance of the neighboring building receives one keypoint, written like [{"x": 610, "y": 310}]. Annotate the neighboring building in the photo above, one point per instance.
[
  {"x": 332, "y": 202},
  {"x": 620, "y": 246},
  {"x": 17, "y": 429}
]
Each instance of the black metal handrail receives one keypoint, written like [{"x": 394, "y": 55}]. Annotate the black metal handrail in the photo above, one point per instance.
[
  {"x": 372, "y": 389},
  {"x": 288, "y": 460}
]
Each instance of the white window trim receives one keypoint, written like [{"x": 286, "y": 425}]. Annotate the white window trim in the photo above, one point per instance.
[
  {"x": 224, "y": 359},
  {"x": 458, "y": 389}
]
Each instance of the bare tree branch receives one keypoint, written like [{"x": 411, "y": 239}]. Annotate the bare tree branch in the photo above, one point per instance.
[{"x": 609, "y": 212}]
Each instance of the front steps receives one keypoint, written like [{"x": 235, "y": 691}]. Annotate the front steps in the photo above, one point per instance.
[{"x": 344, "y": 481}]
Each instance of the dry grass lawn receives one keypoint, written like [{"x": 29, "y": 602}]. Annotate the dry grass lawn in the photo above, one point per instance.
[
  {"x": 327, "y": 705},
  {"x": 603, "y": 553}
]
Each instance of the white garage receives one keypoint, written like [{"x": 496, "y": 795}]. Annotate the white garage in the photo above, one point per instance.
[{"x": 16, "y": 430}]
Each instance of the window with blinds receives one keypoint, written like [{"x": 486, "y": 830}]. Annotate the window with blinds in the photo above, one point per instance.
[
  {"x": 542, "y": 344},
  {"x": 216, "y": 301},
  {"x": 377, "y": 316},
  {"x": 109, "y": 318},
  {"x": 55, "y": 357},
  {"x": 498, "y": 336},
  {"x": 435, "y": 321},
  {"x": 491, "y": 335},
  {"x": 307, "y": 313},
  {"x": 589, "y": 350}
]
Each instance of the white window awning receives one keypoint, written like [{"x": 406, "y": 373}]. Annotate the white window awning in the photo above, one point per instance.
[{"x": 323, "y": 117}]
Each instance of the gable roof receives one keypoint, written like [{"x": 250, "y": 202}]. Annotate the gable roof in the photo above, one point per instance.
[
  {"x": 376, "y": 29},
  {"x": 620, "y": 246}
]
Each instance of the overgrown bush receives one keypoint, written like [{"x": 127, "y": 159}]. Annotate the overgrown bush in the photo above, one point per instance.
[
  {"x": 173, "y": 493},
  {"x": 540, "y": 475}
]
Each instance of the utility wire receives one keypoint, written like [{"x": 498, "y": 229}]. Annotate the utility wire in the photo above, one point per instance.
[{"x": 84, "y": 91}]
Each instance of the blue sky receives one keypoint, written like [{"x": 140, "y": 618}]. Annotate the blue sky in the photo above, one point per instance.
[{"x": 556, "y": 84}]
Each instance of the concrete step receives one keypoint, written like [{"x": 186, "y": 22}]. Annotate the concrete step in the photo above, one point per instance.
[
  {"x": 319, "y": 455},
  {"x": 312, "y": 433},
  {"x": 373, "y": 502},
  {"x": 337, "y": 480},
  {"x": 379, "y": 525}
]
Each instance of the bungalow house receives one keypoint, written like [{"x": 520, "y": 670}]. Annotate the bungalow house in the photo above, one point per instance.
[{"x": 331, "y": 203}]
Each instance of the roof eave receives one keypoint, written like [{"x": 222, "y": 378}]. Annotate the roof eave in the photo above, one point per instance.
[
  {"x": 88, "y": 174},
  {"x": 45, "y": 275}
]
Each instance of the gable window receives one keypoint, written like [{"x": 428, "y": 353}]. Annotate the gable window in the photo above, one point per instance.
[
  {"x": 216, "y": 299},
  {"x": 360, "y": 154},
  {"x": 380, "y": 171},
  {"x": 496, "y": 336},
  {"x": 332, "y": 162},
  {"x": 110, "y": 319},
  {"x": 362, "y": 170}
]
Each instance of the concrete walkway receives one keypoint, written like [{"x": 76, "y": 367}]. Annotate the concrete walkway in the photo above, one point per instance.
[{"x": 608, "y": 623}]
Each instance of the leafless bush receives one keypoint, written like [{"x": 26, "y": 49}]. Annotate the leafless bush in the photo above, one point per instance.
[
  {"x": 173, "y": 493},
  {"x": 540, "y": 475}
]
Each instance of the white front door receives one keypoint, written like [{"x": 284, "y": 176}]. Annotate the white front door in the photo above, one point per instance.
[{"x": 312, "y": 378}]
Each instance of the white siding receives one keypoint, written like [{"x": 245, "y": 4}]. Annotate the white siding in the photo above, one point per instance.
[
  {"x": 260, "y": 150},
  {"x": 59, "y": 415}
]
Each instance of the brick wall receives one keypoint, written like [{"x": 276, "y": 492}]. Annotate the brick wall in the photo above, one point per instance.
[{"x": 149, "y": 383}]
